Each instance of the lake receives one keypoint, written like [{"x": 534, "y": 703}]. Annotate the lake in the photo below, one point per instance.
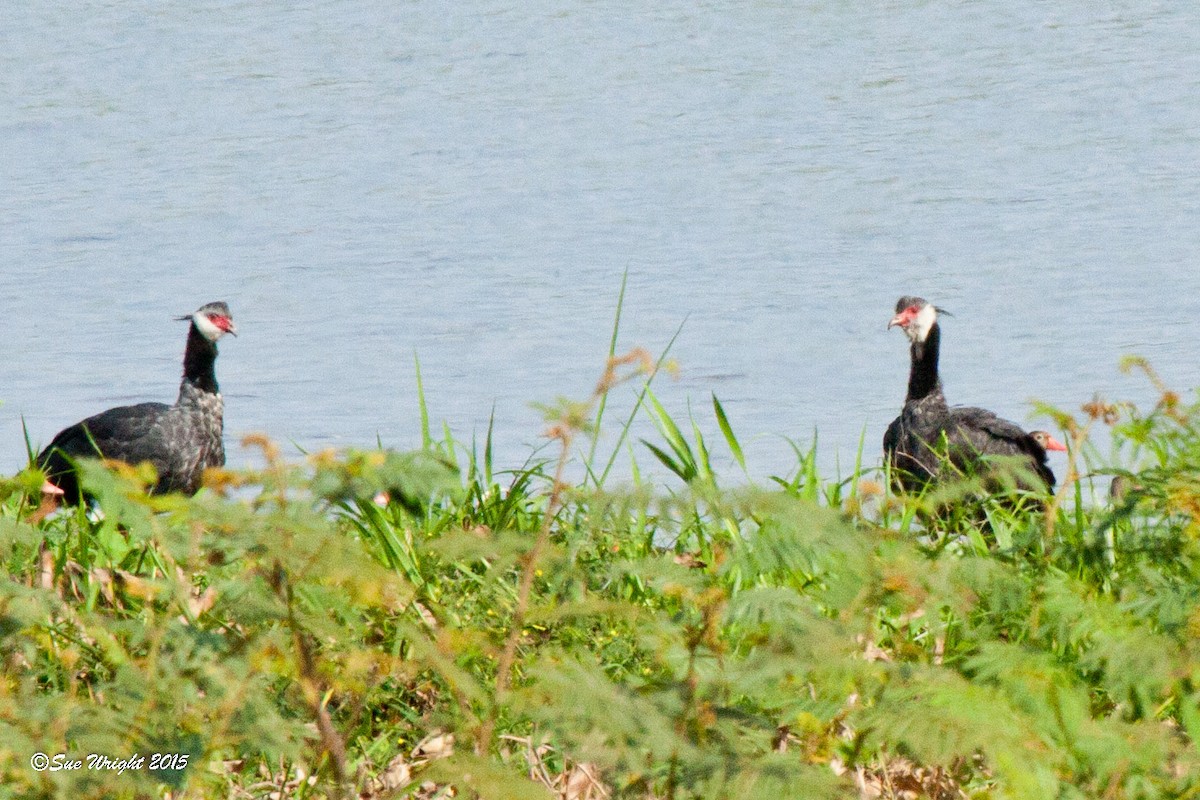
[{"x": 368, "y": 182}]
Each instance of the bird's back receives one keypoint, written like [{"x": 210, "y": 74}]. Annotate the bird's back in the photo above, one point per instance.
[
  {"x": 976, "y": 433},
  {"x": 918, "y": 440},
  {"x": 169, "y": 437}
]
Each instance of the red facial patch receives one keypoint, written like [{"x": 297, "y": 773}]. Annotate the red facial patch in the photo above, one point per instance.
[{"x": 224, "y": 323}]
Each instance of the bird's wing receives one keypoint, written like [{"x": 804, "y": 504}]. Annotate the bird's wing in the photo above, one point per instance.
[
  {"x": 990, "y": 434},
  {"x": 987, "y": 434},
  {"x": 126, "y": 433},
  {"x": 891, "y": 437}
]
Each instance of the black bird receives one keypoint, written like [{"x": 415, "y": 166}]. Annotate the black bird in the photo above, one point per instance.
[
  {"x": 180, "y": 440},
  {"x": 927, "y": 432}
]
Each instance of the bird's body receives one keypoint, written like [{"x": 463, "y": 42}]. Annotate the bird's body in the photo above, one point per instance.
[
  {"x": 921, "y": 445},
  {"x": 180, "y": 440},
  {"x": 931, "y": 441}
]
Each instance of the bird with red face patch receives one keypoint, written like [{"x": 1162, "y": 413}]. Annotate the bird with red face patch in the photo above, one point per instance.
[
  {"x": 930, "y": 440},
  {"x": 180, "y": 440}
]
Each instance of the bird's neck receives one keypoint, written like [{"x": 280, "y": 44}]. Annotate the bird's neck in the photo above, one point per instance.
[
  {"x": 199, "y": 361},
  {"x": 923, "y": 376}
]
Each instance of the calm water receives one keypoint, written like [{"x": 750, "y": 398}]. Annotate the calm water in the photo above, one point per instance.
[{"x": 365, "y": 181}]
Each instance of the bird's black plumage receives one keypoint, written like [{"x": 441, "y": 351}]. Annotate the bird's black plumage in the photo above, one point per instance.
[
  {"x": 180, "y": 440},
  {"x": 929, "y": 439}
]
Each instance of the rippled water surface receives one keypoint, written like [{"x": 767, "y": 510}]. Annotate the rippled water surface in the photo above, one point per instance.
[{"x": 365, "y": 181}]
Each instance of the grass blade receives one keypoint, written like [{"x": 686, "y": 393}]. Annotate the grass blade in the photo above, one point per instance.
[
  {"x": 727, "y": 431},
  {"x": 603, "y": 403},
  {"x": 426, "y": 437},
  {"x": 638, "y": 405}
]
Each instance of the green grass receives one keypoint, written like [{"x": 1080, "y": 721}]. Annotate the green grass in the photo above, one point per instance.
[{"x": 688, "y": 634}]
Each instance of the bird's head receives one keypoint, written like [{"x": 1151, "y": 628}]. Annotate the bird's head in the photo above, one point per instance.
[
  {"x": 212, "y": 320},
  {"x": 1047, "y": 441},
  {"x": 915, "y": 316}
]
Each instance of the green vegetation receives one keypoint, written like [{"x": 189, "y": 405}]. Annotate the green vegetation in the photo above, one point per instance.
[{"x": 293, "y": 632}]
